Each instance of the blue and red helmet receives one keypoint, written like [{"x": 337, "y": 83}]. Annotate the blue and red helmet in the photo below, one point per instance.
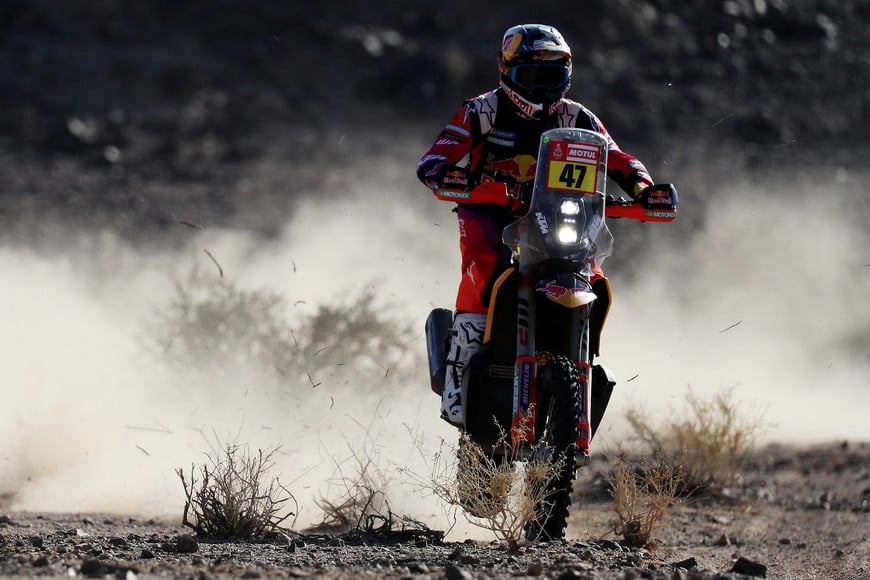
[{"x": 535, "y": 66}]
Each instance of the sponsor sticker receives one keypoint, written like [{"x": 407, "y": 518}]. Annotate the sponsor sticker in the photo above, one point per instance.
[
  {"x": 573, "y": 167},
  {"x": 454, "y": 194},
  {"x": 523, "y": 378}
]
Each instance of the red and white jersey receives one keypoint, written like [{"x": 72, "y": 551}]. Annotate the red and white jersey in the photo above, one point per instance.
[{"x": 500, "y": 144}]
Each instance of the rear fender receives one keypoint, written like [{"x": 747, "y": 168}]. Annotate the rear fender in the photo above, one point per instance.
[{"x": 603, "y": 381}]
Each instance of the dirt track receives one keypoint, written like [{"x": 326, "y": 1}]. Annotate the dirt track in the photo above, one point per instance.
[{"x": 798, "y": 513}]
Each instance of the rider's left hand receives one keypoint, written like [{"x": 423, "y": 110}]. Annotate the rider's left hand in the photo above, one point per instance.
[{"x": 663, "y": 196}]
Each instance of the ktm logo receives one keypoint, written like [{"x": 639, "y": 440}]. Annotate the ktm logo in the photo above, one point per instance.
[{"x": 520, "y": 167}]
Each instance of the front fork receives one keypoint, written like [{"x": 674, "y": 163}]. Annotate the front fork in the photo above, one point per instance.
[
  {"x": 525, "y": 366},
  {"x": 525, "y": 371}
]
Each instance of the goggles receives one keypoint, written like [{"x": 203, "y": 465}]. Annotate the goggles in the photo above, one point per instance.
[{"x": 548, "y": 76}]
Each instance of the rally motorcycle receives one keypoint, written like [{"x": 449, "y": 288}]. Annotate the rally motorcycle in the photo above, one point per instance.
[{"x": 534, "y": 378}]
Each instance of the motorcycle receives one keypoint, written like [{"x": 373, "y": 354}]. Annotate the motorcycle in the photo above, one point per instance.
[{"x": 534, "y": 378}]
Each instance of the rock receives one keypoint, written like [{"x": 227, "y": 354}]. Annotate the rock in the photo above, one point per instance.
[
  {"x": 722, "y": 541},
  {"x": 535, "y": 569},
  {"x": 750, "y": 568},
  {"x": 609, "y": 545},
  {"x": 186, "y": 545},
  {"x": 418, "y": 568},
  {"x": 688, "y": 563},
  {"x": 94, "y": 568},
  {"x": 453, "y": 572}
]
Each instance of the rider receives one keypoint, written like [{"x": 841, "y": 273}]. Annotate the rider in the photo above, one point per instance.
[{"x": 498, "y": 134}]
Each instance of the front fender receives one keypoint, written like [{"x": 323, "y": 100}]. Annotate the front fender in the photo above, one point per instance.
[{"x": 566, "y": 289}]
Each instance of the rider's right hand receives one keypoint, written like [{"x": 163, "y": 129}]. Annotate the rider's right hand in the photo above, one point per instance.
[{"x": 452, "y": 177}]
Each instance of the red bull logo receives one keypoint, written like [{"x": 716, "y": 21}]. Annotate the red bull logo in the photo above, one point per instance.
[
  {"x": 521, "y": 168},
  {"x": 553, "y": 290}
]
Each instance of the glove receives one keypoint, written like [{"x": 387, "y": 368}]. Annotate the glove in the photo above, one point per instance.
[
  {"x": 639, "y": 186},
  {"x": 663, "y": 196},
  {"x": 452, "y": 177}
]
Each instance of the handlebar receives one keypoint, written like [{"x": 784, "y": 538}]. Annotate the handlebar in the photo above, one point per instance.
[
  {"x": 625, "y": 208},
  {"x": 494, "y": 192}
]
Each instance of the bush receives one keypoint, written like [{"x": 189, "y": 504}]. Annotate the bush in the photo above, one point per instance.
[
  {"x": 641, "y": 497},
  {"x": 498, "y": 493},
  {"x": 212, "y": 321},
  {"x": 234, "y": 497},
  {"x": 709, "y": 442},
  {"x": 360, "y": 488}
]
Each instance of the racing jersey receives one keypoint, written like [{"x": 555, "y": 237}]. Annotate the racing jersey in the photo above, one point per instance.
[{"x": 501, "y": 145}]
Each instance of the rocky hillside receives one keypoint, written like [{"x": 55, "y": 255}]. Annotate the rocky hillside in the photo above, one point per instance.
[{"x": 132, "y": 115}]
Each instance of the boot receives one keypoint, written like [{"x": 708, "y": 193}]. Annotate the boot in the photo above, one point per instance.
[{"x": 466, "y": 339}]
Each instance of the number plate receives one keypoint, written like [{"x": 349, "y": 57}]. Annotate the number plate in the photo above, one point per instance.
[{"x": 573, "y": 167}]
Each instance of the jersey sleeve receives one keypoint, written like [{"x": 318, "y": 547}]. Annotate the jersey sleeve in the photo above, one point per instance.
[{"x": 453, "y": 143}]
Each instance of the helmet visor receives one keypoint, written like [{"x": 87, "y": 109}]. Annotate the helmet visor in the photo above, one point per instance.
[{"x": 546, "y": 76}]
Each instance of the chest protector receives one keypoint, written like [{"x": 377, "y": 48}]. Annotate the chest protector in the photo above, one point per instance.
[{"x": 506, "y": 143}]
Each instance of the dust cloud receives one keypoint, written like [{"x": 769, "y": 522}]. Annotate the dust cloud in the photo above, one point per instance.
[{"x": 768, "y": 300}]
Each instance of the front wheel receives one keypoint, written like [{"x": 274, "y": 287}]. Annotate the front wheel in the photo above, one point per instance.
[{"x": 560, "y": 377}]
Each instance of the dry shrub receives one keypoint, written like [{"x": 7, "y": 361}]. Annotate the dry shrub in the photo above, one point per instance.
[
  {"x": 500, "y": 493},
  {"x": 357, "y": 503},
  {"x": 710, "y": 441},
  {"x": 235, "y": 497},
  {"x": 211, "y": 320},
  {"x": 357, "y": 489},
  {"x": 641, "y": 498}
]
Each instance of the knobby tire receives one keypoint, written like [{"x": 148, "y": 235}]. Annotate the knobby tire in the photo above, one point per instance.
[{"x": 561, "y": 377}]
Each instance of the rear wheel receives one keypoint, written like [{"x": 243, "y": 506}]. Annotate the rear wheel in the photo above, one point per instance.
[{"x": 561, "y": 378}]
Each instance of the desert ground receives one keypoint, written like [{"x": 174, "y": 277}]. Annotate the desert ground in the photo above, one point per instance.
[
  {"x": 179, "y": 129},
  {"x": 796, "y": 513}
]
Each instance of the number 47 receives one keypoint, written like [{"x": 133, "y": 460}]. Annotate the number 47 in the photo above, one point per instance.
[{"x": 572, "y": 175}]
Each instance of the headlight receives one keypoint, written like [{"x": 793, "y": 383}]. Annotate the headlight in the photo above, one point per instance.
[
  {"x": 568, "y": 221},
  {"x": 567, "y": 235},
  {"x": 569, "y": 207}
]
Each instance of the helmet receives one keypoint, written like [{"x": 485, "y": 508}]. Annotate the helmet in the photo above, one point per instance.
[{"x": 535, "y": 66}]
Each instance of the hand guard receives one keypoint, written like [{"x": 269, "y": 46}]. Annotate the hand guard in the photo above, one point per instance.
[
  {"x": 663, "y": 197},
  {"x": 452, "y": 177},
  {"x": 457, "y": 178}
]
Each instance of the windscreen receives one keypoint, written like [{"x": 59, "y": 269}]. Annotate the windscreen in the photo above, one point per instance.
[{"x": 565, "y": 220}]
